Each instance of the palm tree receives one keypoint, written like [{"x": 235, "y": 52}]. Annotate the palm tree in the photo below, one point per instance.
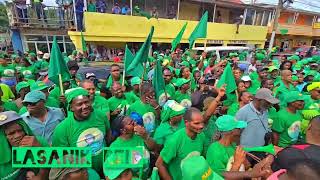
[{"x": 4, "y": 21}]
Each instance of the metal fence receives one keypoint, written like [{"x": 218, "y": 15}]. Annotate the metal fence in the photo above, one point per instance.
[{"x": 39, "y": 15}]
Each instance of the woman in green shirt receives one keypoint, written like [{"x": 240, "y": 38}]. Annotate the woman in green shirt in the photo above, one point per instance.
[
  {"x": 182, "y": 95},
  {"x": 244, "y": 99},
  {"x": 224, "y": 155},
  {"x": 171, "y": 121},
  {"x": 14, "y": 132}
]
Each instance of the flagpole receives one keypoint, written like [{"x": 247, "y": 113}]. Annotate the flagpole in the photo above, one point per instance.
[
  {"x": 142, "y": 77},
  {"x": 60, "y": 84},
  {"x": 123, "y": 73}
]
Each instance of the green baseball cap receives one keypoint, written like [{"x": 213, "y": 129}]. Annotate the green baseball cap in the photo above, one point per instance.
[
  {"x": 272, "y": 68},
  {"x": 229, "y": 123},
  {"x": 32, "y": 54},
  {"x": 22, "y": 84},
  {"x": 135, "y": 81},
  {"x": 260, "y": 56},
  {"x": 113, "y": 173},
  {"x": 38, "y": 86},
  {"x": 185, "y": 63},
  {"x": 181, "y": 81},
  {"x": 196, "y": 167},
  {"x": 34, "y": 96},
  {"x": 293, "y": 96},
  {"x": 74, "y": 93}
]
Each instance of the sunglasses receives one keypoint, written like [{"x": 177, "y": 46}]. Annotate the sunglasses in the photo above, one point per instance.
[{"x": 30, "y": 104}]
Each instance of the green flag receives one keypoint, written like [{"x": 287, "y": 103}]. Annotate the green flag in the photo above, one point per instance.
[
  {"x": 177, "y": 40},
  {"x": 228, "y": 79},
  {"x": 143, "y": 53},
  {"x": 158, "y": 83},
  {"x": 139, "y": 12},
  {"x": 83, "y": 43},
  {"x": 57, "y": 65},
  {"x": 128, "y": 57},
  {"x": 200, "y": 31}
]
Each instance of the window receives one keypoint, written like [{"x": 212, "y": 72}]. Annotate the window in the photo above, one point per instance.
[
  {"x": 249, "y": 16},
  {"x": 259, "y": 16}
]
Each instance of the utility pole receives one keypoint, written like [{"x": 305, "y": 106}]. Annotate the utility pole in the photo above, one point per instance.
[{"x": 275, "y": 24}]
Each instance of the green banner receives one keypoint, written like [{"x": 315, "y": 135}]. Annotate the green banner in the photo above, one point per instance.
[{"x": 51, "y": 157}]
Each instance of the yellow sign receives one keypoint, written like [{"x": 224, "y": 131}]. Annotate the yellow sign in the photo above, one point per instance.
[{"x": 316, "y": 25}]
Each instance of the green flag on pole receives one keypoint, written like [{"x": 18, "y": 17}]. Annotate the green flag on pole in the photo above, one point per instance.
[
  {"x": 200, "y": 31},
  {"x": 83, "y": 44},
  {"x": 228, "y": 79},
  {"x": 158, "y": 83},
  {"x": 177, "y": 40},
  {"x": 128, "y": 57},
  {"x": 57, "y": 65},
  {"x": 143, "y": 53}
]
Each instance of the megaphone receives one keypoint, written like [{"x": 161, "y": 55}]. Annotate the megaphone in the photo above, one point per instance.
[{"x": 268, "y": 149}]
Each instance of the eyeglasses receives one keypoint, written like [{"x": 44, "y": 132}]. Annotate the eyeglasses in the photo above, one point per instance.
[{"x": 30, "y": 103}]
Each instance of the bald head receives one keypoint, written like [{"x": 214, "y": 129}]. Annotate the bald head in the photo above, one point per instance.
[{"x": 286, "y": 76}]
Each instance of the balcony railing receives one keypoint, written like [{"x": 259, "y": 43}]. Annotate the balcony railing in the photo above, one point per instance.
[{"x": 40, "y": 16}]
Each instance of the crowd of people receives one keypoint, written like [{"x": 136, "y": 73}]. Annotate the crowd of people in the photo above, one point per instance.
[{"x": 200, "y": 129}]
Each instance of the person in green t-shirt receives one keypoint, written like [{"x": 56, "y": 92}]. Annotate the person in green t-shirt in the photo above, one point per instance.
[
  {"x": 98, "y": 102},
  {"x": 91, "y": 6},
  {"x": 183, "y": 143},
  {"x": 22, "y": 88},
  {"x": 73, "y": 69},
  {"x": 7, "y": 73},
  {"x": 167, "y": 76},
  {"x": 147, "y": 107},
  {"x": 135, "y": 84},
  {"x": 115, "y": 76},
  {"x": 132, "y": 135},
  {"x": 244, "y": 99},
  {"x": 84, "y": 127},
  {"x": 285, "y": 86},
  {"x": 182, "y": 95},
  {"x": 223, "y": 155},
  {"x": 287, "y": 126},
  {"x": 120, "y": 101},
  {"x": 14, "y": 132},
  {"x": 171, "y": 121}
]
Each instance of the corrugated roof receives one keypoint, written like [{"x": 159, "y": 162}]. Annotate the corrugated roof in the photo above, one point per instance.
[{"x": 312, "y": 6}]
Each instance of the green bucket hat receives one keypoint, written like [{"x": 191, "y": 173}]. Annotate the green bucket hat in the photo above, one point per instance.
[
  {"x": 181, "y": 81},
  {"x": 196, "y": 167},
  {"x": 311, "y": 73},
  {"x": 34, "y": 96},
  {"x": 44, "y": 66},
  {"x": 171, "y": 109},
  {"x": 135, "y": 81},
  {"x": 21, "y": 85},
  {"x": 38, "y": 86},
  {"x": 229, "y": 123},
  {"x": 74, "y": 93},
  {"x": 293, "y": 96}
]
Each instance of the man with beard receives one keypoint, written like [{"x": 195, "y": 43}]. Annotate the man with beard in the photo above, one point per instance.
[
  {"x": 98, "y": 102},
  {"x": 286, "y": 127},
  {"x": 42, "y": 120},
  {"x": 256, "y": 115},
  {"x": 84, "y": 127},
  {"x": 186, "y": 141}
]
